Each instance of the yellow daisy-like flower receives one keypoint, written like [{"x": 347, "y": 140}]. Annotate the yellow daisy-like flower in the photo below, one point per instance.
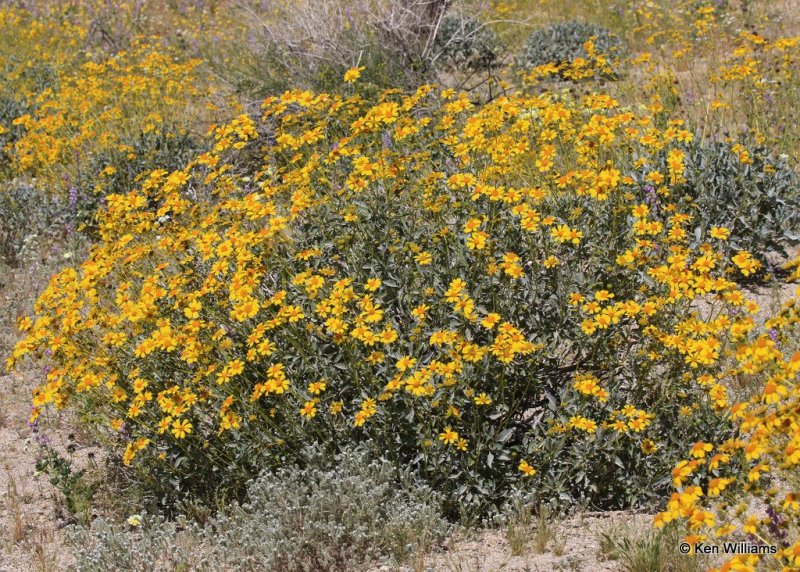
[
  {"x": 317, "y": 387},
  {"x": 181, "y": 428},
  {"x": 351, "y": 75},
  {"x": 490, "y": 320},
  {"x": 448, "y": 436},
  {"x": 423, "y": 258},
  {"x": 720, "y": 233},
  {"x": 309, "y": 409},
  {"x": 649, "y": 447},
  {"x": 525, "y": 467}
]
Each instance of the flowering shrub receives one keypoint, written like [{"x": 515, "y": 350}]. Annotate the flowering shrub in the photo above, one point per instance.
[
  {"x": 119, "y": 170},
  {"x": 10, "y": 108},
  {"x": 756, "y": 85},
  {"x": 560, "y": 45},
  {"x": 84, "y": 124},
  {"x": 148, "y": 89},
  {"x": 761, "y": 458},
  {"x": 489, "y": 295}
]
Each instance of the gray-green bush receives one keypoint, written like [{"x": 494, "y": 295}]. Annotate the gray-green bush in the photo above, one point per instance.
[
  {"x": 28, "y": 218},
  {"x": 324, "y": 517},
  {"x": 564, "y": 42},
  {"x": 464, "y": 41},
  {"x": 747, "y": 190}
]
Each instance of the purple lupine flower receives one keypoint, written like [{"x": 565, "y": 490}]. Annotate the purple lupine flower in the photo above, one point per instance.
[
  {"x": 776, "y": 525},
  {"x": 651, "y": 197},
  {"x": 386, "y": 140},
  {"x": 73, "y": 208},
  {"x": 40, "y": 437}
]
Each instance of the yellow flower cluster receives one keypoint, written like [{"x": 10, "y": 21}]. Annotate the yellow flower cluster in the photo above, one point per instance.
[
  {"x": 436, "y": 263},
  {"x": 768, "y": 444}
]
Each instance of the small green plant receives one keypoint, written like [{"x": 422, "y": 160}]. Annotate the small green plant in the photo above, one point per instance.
[
  {"x": 76, "y": 489},
  {"x": 564, "y": 42},
  {"x": 544, "y": 531}
]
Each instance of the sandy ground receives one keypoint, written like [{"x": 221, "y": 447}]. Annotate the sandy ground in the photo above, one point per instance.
[
  {"x": 574, "y": 546},
  {"x": 29, "y": 528}
]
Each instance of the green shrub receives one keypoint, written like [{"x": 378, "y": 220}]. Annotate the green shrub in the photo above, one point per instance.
[
  {"x": 562, "y": 43},
  {"x": 10, "y": 108},
  {"x": 77, "y": 490},
  {"x": 475, "y": 303},
  {"x": 30, "y": 218},
  {"x": 324, "y": 517},
  {"x": 463, "y": 41},
  {"x": 119, "y": 170},
  {"x": 753, "y": 194}
]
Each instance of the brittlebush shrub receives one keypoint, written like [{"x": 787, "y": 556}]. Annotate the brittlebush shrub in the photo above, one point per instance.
[
  {"x": 743, "y": 188},
  {"x": 489, "y": 295},
  {"x": 88, "y": 122},
  {"x": 562, "y": 45},
  {"x": 149, "y": 92},
  {"x": 761, "y": 459}
]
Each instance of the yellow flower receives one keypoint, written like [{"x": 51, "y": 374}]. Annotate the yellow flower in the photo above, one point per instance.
[
  {"x": 135, "y": 520},
  {"x": 317, "y": 387},
  {"x": 649, "y": 447},
  {"x": 448, "y": 436},
  {"x": 423, "y": 258},
  {"x": 405, "y": 363},
  {"x": 420, "y": 311},
  {"x": 181, "y": 428},
  {"x": 699, "y": 449},
  {"x": 720, "y": 233},
  {"x": 351, "y": 75},
  {"x": 526, "y": 468},
  {"x": 551, "y": 262},
  {"x": 309, "y": 409}
]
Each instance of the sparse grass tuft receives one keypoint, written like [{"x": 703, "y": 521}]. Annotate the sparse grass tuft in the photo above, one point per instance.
[{"x": 643, "y": 549}]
